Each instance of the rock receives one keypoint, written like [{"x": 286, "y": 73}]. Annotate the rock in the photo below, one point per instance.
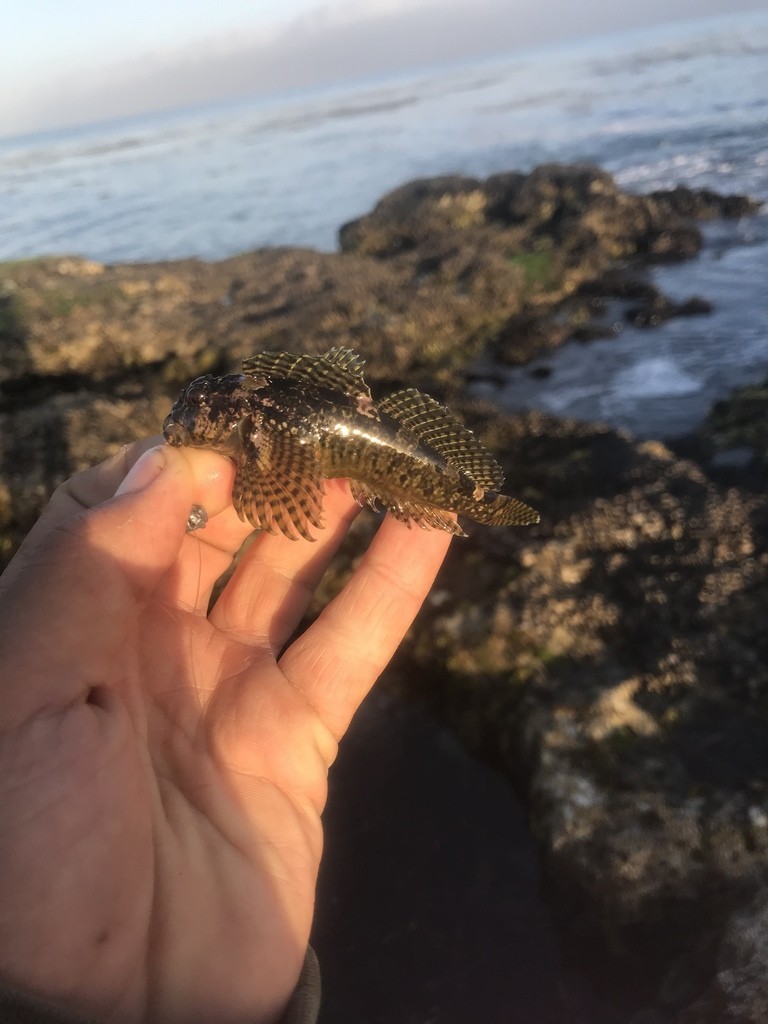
[
  {"x": 740, "y": 981},
  {"x": 593, "y": 331},
  {"x": 524, "y": 335},
  {"x": 578, "y": 211},
  {"x": 653, "y": 307},
  {"x": 619, "y": 283},
  {"x": 704, "y": 203},
  {"x": 740, "y": 421},
  {"x": 742, "y": 969},
  {"x": 660, "y": 308},
  {"x": 415, "y": 213},
  {"x": 613, "y": 660}
]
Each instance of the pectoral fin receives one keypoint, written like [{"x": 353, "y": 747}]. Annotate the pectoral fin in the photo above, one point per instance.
[{"x": 278, "y": 488}]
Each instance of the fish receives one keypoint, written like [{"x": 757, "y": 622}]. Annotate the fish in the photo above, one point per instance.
[{"x": 291, "y": 421}]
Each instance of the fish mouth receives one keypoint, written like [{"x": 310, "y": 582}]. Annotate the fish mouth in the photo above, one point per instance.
[{"x": 174, "y": 433}]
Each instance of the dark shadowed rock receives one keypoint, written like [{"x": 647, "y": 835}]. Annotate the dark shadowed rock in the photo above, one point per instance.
[
  {"x": 660, "y": 308},
  {"x": 739, "y": 421},
  {"x": 704, "y": 203},
  {"x": 620, "y": 283},
  {"x": 526, "y": 333}
]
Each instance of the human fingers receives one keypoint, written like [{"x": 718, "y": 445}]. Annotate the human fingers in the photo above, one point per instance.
[
  {"x": 274, "y": 582},
  {"x": 337, "y": 660}
]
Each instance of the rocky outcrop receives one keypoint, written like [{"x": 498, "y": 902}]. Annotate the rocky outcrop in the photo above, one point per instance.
[
  {"x": 564, "y": 210},
  {"x": 615, "y": 667},
  {"x": 611, "y": 661}
]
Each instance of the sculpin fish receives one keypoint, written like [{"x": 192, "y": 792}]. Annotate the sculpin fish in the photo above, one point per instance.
[{"x": 291, "y": 421}]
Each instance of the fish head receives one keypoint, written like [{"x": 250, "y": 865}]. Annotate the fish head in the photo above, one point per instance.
[{"x": 208, "y": 414}]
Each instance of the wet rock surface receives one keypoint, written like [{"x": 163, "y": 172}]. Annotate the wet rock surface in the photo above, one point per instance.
[{"x": 611, "y": 663}]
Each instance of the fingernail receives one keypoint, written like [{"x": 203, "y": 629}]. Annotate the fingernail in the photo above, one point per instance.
[{"x": 144, "y": 471}]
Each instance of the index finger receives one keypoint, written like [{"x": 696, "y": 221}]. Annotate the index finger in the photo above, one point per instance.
[{"x": 338, "y": 659}]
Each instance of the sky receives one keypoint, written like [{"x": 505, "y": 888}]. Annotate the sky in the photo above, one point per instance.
[{"x": 69, "y": 62}]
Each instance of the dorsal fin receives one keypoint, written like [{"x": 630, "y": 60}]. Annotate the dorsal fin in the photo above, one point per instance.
[
  {"x": 339, "y": 368},
  {"x": 432, "y": 424}
]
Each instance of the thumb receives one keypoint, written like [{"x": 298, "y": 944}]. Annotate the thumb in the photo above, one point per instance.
[{"x": 143, "y": 525}]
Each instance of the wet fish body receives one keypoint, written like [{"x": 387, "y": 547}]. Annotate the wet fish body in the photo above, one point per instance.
[{"x": 291, "y": 421}]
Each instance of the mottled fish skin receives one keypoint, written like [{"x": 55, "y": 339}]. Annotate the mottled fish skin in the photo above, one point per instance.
[{"x": 291, "y": 421}]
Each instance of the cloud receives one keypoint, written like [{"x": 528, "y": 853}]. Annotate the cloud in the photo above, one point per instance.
[
  {"x": 330, "y": 42},
  {"x": 346, "y": 40},
  {"x": 350, "y": 11}
]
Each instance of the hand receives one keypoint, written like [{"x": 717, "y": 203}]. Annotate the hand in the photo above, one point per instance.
[{"x": 163, "y": 769}]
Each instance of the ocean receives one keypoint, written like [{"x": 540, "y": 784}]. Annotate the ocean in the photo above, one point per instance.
[{"x": 683, "y": 103}]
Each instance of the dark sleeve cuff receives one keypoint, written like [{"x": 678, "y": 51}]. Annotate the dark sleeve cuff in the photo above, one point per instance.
[{"x": 304, "y": 1007}]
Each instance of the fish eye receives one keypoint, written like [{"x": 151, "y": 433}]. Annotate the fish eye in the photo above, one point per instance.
[{"x": 197, "y": 392}]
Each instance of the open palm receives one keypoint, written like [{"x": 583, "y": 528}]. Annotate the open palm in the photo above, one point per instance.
[{"x": 163, "y": 768}]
